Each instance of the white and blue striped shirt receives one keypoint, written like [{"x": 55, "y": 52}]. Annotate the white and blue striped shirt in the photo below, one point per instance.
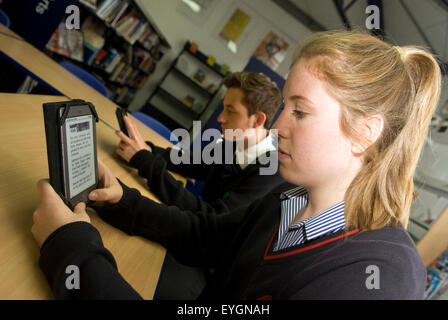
[{"x": 292, "y": 234}]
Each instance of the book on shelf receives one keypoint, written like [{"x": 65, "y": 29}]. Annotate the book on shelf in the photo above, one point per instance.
[
  {"x": 119, "y": 14},
  {"x": 142, "y": 59},
  {"x": 123, "y": 74},
  {"x": 134, "y": 36},
  {"x": 100, "y": 57},
  {"x": 93, "y": 31},
  {"x": 147, "y": 66},
  {"x": 437, "y": 276},
  {"x": 109, "y": 17},
  {"x": 151, "y": 40},
  {"x": 129, "y": 54},
  {"x": 125, "y": 33},
  {"x": 114, "y": 63},
  {"x": 147, "y": 32},
  {"x": 90, "y": 53},
  {"x": 66, "y": 42},
  {"x": 131, "y": 28},
  {"x": 106, "y": 7},
  {"x": 117, "y": 71},
  {"x": 124, "y": 78},
  {"x": 132, "y": 78},
  {"x": 124, "y": 23}
]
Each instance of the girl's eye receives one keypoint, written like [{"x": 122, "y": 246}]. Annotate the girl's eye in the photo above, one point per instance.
[{"x": 298, "y": 114}]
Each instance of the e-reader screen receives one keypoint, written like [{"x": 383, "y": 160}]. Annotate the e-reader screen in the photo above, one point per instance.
[{"x": 80, "y": 164}]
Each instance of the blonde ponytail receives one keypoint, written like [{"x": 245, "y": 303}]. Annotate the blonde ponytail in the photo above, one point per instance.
[{"x": 368, "y": 77}]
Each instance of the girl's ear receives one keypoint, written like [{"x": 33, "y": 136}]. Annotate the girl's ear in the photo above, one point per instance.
[
  {"x": 259, "y": 118},
  {"x": 370, "y": 130}
]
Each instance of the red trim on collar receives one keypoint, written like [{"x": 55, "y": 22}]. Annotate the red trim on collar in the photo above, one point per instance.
[{"x": 290, "y": 253}]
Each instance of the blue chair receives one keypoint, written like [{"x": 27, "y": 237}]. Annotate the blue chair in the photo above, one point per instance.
[
  {"x": 4, "y": 19},
  {"x": 154, "y": 125},
  {"x": 86, "y": 77}
]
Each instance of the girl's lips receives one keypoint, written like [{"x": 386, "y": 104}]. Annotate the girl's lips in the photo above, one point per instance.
[{"x": 283, "y": 155}]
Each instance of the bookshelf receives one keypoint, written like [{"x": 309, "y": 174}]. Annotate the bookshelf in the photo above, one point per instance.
[
  {"x": 428, "y": 220},
  {"x": 117, "y": 43},
  {"x": 187, "y": 89}
]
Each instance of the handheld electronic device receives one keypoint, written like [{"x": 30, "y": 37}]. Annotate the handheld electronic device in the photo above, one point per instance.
[
  {"x": 120, "y": 113},
  {"x": 70, "y": 129}
]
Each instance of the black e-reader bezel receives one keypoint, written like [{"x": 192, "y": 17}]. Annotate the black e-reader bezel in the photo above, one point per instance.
[{"x": 55, "y": 116}]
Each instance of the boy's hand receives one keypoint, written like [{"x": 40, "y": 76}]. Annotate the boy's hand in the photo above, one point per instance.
[{"x": 128, "y": 147}]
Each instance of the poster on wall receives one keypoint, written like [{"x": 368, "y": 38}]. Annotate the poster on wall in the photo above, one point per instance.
[
  {"x": 235, "y": 26},
  {"x": 271, "y": 50}
]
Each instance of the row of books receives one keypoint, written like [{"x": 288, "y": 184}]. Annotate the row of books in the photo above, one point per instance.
[
  {"x": 127, "y": 75},
  {"x": 437, "y": 276},
  {"x": 132, "y": 28},
  {"x": 118, "y": 15},
  {"x": 108, "y": 58},
  {"x": 143, "y": 60},
  {"x": 110, "y": 11}
]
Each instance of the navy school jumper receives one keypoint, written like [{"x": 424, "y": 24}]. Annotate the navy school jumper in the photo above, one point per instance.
[{"x": 238, "y": 245}]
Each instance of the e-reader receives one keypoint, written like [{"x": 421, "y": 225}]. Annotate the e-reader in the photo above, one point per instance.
[
  {"x": 70, "y": 129},
  {"x": 120, "y": 113}
]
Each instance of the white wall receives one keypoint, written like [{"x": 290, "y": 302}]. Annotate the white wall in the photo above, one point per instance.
[
  {"x": 325, "y": 13},
  {"x": 265, "y": 16}
]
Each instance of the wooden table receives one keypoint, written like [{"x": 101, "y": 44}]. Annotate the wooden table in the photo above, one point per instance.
[
  {"x": 25, "y": 162},
  {"x": 6, "y": 31}
]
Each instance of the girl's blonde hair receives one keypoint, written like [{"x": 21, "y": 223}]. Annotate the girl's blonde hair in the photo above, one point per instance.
[{"x": 367, "y": 76}]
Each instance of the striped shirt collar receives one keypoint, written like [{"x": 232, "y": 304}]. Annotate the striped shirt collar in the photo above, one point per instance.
[{"x": 290, "y": 234}]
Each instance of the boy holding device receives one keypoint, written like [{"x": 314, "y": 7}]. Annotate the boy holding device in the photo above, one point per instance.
[{"x": 250, "y": 104}]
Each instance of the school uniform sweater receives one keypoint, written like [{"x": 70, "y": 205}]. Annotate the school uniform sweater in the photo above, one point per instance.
[
  {"x": 226, "y": 186},
  {"x": 239, "y": 246}
]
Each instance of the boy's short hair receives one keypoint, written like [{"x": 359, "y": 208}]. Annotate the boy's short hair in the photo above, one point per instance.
[{"x": 259, "y": 93}]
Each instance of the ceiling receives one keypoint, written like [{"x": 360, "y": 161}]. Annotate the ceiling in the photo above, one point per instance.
[{"x": 405, "y": 22}]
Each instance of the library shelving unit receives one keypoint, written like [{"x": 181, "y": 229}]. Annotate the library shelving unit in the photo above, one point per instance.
[
  {"x": 117, "y": 43},
  {"x": 428, "y": 221},
  {"x": 187, "y": 89}
]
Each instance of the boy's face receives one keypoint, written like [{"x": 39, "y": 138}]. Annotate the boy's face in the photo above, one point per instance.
[{"x": 235, "y": 115}]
